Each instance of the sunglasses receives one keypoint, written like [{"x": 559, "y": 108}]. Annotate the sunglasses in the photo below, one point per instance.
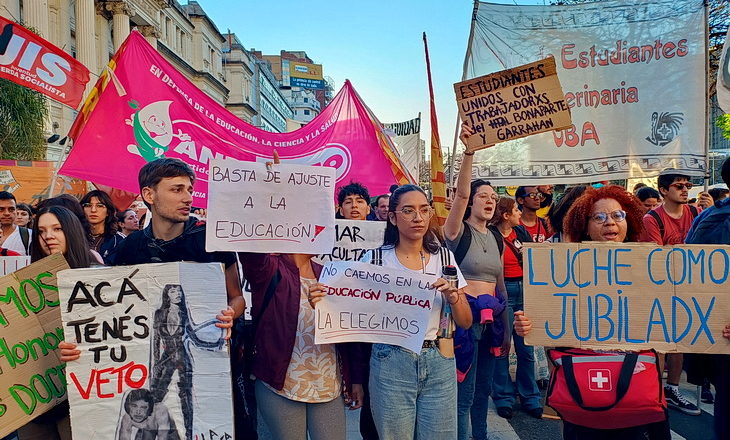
[
  {"x": 602, "y": 217},
  {"x": 536, "y": 195},
  {"x": 681, "y": 186}
]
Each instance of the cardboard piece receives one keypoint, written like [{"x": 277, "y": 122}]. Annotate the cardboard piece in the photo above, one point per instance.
[
  {"x": 152, "y": 359},
  {"x": 628, "y": 296},
  {"x": 513, "y": 103},
  {"x": 31, "y": 374},
  {"x": 352, "y": 239},
  {"x": 287, "y": 209},
  {"x": 367, "y": 303}
]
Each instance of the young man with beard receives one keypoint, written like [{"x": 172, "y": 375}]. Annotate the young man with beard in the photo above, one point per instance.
[
  {"x": 353, "y": 202},
  {"x": 14, "y": 238},
  {"x": 547, "y": 199},
  {"x": 668, "y": 225},
  {"x": 529, "y": 199}
]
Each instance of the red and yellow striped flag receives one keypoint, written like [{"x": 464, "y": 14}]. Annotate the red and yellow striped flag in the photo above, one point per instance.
[{"x": 438, "y": 178}]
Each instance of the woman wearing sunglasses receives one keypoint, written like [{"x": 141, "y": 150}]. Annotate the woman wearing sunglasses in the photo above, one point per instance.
[{"x": 607, "y": 214}]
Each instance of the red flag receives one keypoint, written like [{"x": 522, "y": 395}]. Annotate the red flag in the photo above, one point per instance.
[
  {"x": 438, "y": 179},
  {"x": 31, "y": 61}
]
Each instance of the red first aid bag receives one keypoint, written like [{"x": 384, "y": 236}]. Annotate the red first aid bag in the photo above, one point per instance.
[{"x": 606, "y": 390}]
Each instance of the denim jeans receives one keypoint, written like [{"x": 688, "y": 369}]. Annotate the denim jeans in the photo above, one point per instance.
[
  {"x": 503, "y": 390},
  {"x": 412, "y": 396},
  {"x": 473, "y": 392}
]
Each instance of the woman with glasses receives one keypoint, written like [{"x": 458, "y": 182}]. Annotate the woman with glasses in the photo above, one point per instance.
[
  {"x": 102, "y": 217},
  {"x": 607, "y": 214},
  {"x": 413, "y": 395},
  {"x": 478, "y": 254}
]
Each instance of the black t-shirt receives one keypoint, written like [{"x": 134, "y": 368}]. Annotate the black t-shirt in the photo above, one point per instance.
[{"x": 141, "y": 247}]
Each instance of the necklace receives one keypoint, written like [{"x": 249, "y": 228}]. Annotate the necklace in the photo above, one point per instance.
[{"x": 481, "y": 239}]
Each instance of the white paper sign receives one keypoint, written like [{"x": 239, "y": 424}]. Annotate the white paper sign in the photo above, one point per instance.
[
  {"x": 367, "y": 303},
  {"x": 288, "y": 209},
  {"x": 352, "y": 239},
  {"x": 153, "y": 364},
  {"x": 9, "y": 265}
]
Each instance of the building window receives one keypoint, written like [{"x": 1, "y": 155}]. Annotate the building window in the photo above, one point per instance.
[
  {"x": 306, "y": 112},
  {"x": 306, "y": 99}
]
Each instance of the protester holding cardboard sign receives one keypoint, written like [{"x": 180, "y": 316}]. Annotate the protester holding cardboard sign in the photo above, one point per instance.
[
  {"x": 478, "y": 250},
  {"x": 607, "y": 214},
  {"x": 415, "y": 392},
  {"x": 298, "y": 384}
]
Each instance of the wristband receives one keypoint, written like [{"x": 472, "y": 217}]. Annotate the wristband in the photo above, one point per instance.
[{"x": 468, "y": 154}]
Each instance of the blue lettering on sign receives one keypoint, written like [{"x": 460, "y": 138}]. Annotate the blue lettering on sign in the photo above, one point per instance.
[
  {"x": 648, "y": 267},
  {"x": 531, "y": 271}
]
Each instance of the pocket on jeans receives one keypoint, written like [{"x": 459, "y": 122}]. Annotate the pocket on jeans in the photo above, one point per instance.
[
  {"x": 441, "y": 355},
  {"x": 382, "y": 352}
]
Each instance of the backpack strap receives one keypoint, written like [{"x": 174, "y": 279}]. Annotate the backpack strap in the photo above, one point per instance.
[
  {"x": 659, "y": 221},
  {"x": 463, "y": 246},
  {"x": 25, "y": 237},
  {"x": 4, "y": 252},
  {"x": 693, "y": 209}
]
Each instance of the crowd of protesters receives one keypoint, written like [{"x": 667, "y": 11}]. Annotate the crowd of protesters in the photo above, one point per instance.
[{"x": 442, "y": 392}]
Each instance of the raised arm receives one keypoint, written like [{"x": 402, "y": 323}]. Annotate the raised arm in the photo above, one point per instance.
[{"x": 463, "y": 184}]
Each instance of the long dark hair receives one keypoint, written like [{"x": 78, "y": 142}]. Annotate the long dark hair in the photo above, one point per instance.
[
  {"x": 391, "y": 237},
  {"x": 77, "y": 252},
  {"x": 475, "y": 185},
  {"x": 110, "y": 222}
]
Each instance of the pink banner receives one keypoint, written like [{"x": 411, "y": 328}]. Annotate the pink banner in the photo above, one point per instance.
[{"x": 146, "y": 110}]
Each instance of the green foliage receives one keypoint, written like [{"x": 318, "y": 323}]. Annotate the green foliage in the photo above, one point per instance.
[
  {"x": 723, "y": 121},
  {"x": 22, "y": 112}
]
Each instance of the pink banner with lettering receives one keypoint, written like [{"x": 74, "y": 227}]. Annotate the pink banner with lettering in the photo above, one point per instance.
[{"x": 142, "y": 109}]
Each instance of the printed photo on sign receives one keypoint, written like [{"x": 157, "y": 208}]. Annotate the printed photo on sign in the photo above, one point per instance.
[
  {"x": 153, "y": 363},
  {"x": 628, "y": 296},
  {"x": 285, "y": 208}
]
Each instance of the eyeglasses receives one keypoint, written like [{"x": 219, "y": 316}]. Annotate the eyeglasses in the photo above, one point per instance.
[
  {"x": 681, "y": 186},
  {"x": 410, "y": 213},
  {"x": 493, "y": 197},
  {"x": 536, "y": 195},
  {"x": 93, "y": 205},
  {"x": 602, "y": 217}
]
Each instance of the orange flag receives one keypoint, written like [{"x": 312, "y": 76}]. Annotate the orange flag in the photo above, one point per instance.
[{"x": 438, "y": 178}]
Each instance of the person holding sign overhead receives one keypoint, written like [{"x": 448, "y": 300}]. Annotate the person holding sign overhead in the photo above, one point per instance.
[
  {"x": 413, "y": 395},
  {"x": 479, "y": 253},
  {"x": 606, "y": 214}
]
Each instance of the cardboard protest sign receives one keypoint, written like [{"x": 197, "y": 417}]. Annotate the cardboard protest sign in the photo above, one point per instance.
[
  {"x": 367, "y": 303},
  {"x": 153, "y": 364},
  {"x": 513, "y": 103},
  {"x": 9, "y": 265},
  {"x": 628, "y": 296},
  {"x": 352, "y": 239},
  {"x": 286, "y": 209},
  {"x": 31, "y": 374}
]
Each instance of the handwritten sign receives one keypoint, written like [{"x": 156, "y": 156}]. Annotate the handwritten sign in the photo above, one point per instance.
[
  {"x": 9, "y": 265},
  {"x": 152, "y": 359},
  {"x": 628, "y": 296},
  {"x": 367, "y": 303},
  {"x": 288, "y": 209},
  {"x": 32, "y": 378},
  {"x": 352, "y": 239},
  {"x": 513, "y": 103}
]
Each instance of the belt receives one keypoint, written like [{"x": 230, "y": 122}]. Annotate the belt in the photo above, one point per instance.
[{"x": 430, "y": 344}]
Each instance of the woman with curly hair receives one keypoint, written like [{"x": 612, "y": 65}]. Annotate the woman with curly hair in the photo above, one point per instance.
[{"x": 607, "y": 214}]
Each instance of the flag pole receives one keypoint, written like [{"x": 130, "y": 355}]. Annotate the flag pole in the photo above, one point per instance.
[
  {"x": 438, "y": 180},
  {"x": 707, "y": 95},
  {"x": 463, "y": 78}
]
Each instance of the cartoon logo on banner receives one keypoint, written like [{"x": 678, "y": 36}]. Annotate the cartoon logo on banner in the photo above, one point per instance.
[{"x": 665, "y": 127}]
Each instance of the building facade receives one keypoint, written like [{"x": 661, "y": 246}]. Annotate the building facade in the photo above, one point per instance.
[
  {"x": 273, "y": 109},
  {"x": 239, "y": 72}
]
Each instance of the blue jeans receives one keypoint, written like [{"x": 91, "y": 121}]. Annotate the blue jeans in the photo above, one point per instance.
[
  {"x": 473, "y": 392},
  {"x": 412, "y": 396},
  {"x": 503, "y": 392}
]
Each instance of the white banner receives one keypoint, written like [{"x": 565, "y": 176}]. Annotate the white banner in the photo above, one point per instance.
[
  {"x": 9, "y": 265},
  {"x": 287, "y": 209},
  {"x": 633, "y": 75},
  {"x": 352, "y": 239},
  {"x": 407, "y": 138},
  {"x": 367, "y": 303},
  {"x": 153, "y": 364}
]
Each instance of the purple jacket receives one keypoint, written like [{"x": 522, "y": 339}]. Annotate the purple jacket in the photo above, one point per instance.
[{"x": 278, "y": 326}]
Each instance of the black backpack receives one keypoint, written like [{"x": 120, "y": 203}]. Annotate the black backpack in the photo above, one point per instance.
[
  {"x": 463, "y": 247},
  {"x": 660, "y": 223}
]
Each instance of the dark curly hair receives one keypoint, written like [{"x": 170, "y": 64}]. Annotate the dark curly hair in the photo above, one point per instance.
[{"x": 575, "y": 223}]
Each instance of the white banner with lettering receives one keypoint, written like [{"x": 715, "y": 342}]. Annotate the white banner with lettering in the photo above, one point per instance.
[
  {"x": 407, "y": 138},
  {"x": 633, "y": 75},
  {"x": 367, "y": 303}
]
